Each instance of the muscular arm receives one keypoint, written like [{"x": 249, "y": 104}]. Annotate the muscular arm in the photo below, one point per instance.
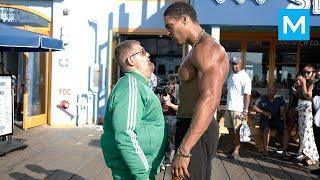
[{"x": 212, "y": 65}]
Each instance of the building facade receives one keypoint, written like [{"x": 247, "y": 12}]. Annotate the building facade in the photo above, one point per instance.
[
  {"x": 31, "y": 70},
  {"x": 73, "y": 85},
  {"x": 70, "y": 87}
]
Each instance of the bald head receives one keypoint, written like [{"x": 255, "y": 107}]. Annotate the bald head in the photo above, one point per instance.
[
  {"x": 123, "y": 51},
  {"x": 271, "y": 91}
]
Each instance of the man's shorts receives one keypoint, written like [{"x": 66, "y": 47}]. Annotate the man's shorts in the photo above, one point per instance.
[
  {"x": 232, "y": 120},
  {"x": 171, "y": 123},
  {"x": 270, "y": 124}
]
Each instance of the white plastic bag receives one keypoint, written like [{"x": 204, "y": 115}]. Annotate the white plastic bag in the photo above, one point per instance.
[
  {"x": 244, "y": 132},
  {"x": 316, "y": 106}
]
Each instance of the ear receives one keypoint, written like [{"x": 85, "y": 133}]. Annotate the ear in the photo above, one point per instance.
[
  {"x": 185, "y": 19},
  {"x": 130, "y": 61}
]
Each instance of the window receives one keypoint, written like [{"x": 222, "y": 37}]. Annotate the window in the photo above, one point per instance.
[
  {"x": 257, "y": 63},
  {"x": 285, "y": 67},
  {"x": 309, "y": 52}
]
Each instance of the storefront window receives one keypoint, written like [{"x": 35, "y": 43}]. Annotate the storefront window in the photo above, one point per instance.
[
  {"x": 36, "y": 84},
  {"x": 232, "y": 47},
  {"x": 285, "y": 67},
  {"x": 309, "y": 53},
  {"x": 164, "y": 53},
  {"x": 257, "y": 65}
]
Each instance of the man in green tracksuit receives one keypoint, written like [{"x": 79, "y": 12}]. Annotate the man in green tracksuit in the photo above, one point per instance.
[{"x": 134, "y": 128}]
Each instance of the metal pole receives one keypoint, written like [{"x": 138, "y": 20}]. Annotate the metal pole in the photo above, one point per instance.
[
  {"x": 1, "y": 61},
  {"x": 110, "y": 37}
]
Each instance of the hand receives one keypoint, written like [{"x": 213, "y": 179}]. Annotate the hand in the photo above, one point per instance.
[
  {"x": 180, "y": 166},
  {"x": 267, "y": 114},
  {"x": 245, "y": 115},
  {"x": 168, "y": 103},
  {"x": 313, "y": 76},
  {"x": 303, "y": 80}
]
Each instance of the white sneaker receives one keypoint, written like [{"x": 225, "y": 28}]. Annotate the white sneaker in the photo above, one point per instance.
[
  {"x": 298, "y": 154},
  {"x": 163, "y": 168},
  {"x": 300, "y": 157}
]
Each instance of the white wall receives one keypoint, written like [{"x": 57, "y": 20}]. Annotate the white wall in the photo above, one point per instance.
[
  {"x": 70, "y": 68},
  {"x": 85, "y": 28}
]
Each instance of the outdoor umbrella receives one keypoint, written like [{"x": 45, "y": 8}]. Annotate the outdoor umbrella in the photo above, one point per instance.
[{"x": 16, "y": 40}]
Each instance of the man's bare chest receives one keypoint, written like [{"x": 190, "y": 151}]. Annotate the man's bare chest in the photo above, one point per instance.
[{"x": 187, "y": 71}]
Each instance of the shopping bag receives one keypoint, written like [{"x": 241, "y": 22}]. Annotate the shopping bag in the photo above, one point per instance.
[{"x": 244, "y": 132}]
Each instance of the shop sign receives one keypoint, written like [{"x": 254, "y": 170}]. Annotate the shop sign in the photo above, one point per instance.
[
  {"x": 301, "y": 43},
  {"x": 296, "y": 17},
  {"x": 305, "y": 4},
  {"x": 241, "y": 1},
  {"x": 18, "y": 17},
  {"x": 6, "y": 110},
  {"x": 299, "y": 3},
  {"x": 294, "y": 24}
]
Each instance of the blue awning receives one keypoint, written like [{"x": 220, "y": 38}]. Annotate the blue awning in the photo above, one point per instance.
[{"x": 14, "y": 39}]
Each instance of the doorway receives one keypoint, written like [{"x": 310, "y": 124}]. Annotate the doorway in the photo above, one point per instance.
[
  {"x": 165, "y": 54},
  {"x": 35, "y": 90},
  {"x": 29, "y": 72}
]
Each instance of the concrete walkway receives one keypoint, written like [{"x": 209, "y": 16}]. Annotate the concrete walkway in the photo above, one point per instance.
[{"x": 74, "y": 153}]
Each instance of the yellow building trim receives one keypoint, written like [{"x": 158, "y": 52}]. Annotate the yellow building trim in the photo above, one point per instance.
[
  {"x": 139, "y": 31},
  {"x": 248, "y": 35},
  {"x": 44, "y": 31},
  {"x": 272, "y": 60},
  {"x": 244, "y": 46}
]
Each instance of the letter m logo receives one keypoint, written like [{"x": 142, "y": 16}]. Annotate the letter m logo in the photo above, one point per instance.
[{"x": 294, "y": 25}]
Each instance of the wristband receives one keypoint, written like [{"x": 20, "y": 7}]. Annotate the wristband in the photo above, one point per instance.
[
  {"x": 245, "y": 111},
  {"x": 181, "y": 154}
]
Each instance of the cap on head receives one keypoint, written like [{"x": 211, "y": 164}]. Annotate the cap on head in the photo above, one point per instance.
[{"x": 235, "y": 60}]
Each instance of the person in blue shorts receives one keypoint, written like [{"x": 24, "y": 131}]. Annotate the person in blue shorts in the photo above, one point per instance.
[{"x": 273, "y": 116}]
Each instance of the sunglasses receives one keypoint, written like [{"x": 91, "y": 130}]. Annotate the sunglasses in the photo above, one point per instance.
[
  {"x": 307, "y": 72},
  {"x": 143, "y": 52}
]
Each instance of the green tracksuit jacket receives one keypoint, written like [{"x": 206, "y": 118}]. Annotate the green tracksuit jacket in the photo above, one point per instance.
[{"x": 134, "y": 129}]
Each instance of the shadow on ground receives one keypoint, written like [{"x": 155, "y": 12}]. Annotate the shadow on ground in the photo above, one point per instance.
[
  {"x": 94, "y": 142},
  {"x": 49, "y": 174}
]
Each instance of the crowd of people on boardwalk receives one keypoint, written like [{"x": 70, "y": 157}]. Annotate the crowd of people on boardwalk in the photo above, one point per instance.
[
  {"x": 302, "y": 110},
  {"x": 144, "y": 124}
]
